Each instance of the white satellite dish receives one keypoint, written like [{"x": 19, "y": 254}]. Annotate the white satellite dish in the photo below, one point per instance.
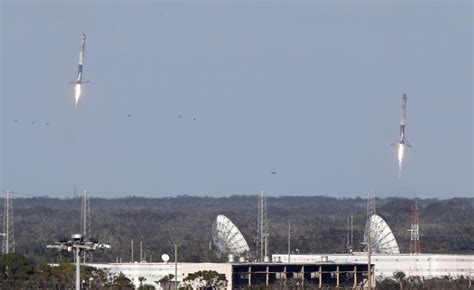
[
  {"x": 382, "y": 240},
  {"x": 227, "y": 237},
  {"x": 165, "y": 258}
]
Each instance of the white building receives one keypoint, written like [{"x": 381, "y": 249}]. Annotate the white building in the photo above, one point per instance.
[
  {"x": 154, "y": 272},
  {"x": 242, "y": 274},
  {"x": 426, "y": 265}
]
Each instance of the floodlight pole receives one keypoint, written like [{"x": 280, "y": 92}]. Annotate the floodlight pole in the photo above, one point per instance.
[
  {"x": 78, "y": 268},
  {"x": 77, "y": 244}
]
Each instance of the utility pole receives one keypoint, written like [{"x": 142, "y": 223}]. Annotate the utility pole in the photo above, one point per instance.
[
  {"x": 368, "y": 234},
  {"x": 289, "y": 241},
  {"x": 84, "y": 214},
  {"x": 175, "y": 266},
  {"x": 369, "y": 263},
  {"x": 131, "y": 254}
]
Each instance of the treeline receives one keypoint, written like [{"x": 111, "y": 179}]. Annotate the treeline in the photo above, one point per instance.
[
  {"x": 18, "y": 272},
  {"x": 401, "y": 281},
  {"x": 318, "y": 224}
]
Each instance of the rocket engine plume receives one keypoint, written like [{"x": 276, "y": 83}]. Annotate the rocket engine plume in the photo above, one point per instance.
[
  {"x": 77, "y": 94},
  {"x": 401, "y": 149}
]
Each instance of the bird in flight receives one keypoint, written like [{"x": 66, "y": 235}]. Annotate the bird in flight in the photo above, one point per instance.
[
  {"x": 273, "y": 172},
  {"x": 129, "y": 115},
  {"x": 180, "y": 116}
]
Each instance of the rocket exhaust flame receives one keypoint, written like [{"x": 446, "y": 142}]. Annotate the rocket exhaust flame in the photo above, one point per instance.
[
  {"x": 401, "y": 149},
  {"x": 77, "y": 95}
]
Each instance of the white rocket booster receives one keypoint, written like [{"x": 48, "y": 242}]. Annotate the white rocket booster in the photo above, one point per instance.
[
  {"x": 79, "y": 79},
  {"x": 402, "y": 138}
]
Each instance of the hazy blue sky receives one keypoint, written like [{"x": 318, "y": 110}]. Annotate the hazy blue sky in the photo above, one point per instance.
[{"x": 310, "y": 89}]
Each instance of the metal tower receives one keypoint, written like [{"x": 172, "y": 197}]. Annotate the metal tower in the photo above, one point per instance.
[
  {"x": 86, "y": 223},
  {"x": 415, "y": 230},
  {"x": 262, "y": 229},
  {"x": 370, "y": 213},
  {"x": 350, "y": 233},
  {"x": 371, "y": 203},
  {"x": 74, "y": 191},
  {"x": 8, "y": 244}
]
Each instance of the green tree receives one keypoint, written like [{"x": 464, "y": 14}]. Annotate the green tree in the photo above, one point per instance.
[
  {"x": 122, "y": 282},
  {"x": 95, "y": 278},
  {"x": 64, "y": 273},
  {"x": 166, "y": 281},
  {"x": 141, "y": 279},
  {"x": 205, "y": 280},
  {"x": 387, "y": 284},
  {"x": 15, "y": 266},
  {"x": 400, "y": 277}
]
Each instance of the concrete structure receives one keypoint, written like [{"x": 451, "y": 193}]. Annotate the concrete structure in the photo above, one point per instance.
[
  {"x": 239, "y": 275},
  {"x": 426, "y": 265}
]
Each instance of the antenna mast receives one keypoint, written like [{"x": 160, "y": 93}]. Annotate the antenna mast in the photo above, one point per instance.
[
  {"x": 371, "y": 203},
  {"x": 74, "y": 191},
  {"x": 350, "y": 233},
  {"x": 262, "y": 228},
  {"x": 289, "y": 241},
  {"x": 8, "y": 244},
  {"x": 348, "y": 238},
  {"x": 370, "y": 212},
  {"x": 415, "y": 230},
  {"x": 86, "y": 222}
]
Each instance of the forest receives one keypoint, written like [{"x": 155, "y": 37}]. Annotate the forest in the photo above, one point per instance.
[{"x": 319, "y": 224}]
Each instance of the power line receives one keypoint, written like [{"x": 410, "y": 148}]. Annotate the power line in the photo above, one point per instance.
[{"x": 29, "y": 194}]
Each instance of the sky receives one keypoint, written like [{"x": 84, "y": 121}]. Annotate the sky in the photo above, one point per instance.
[{"x": 311, "y": 90}]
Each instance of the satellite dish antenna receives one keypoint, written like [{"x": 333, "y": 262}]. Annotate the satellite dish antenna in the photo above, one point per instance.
[
  {"x": 227, "y": 237},
  {"x": 165, "y": 258},
  {"x": 382, "y": 240}
]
